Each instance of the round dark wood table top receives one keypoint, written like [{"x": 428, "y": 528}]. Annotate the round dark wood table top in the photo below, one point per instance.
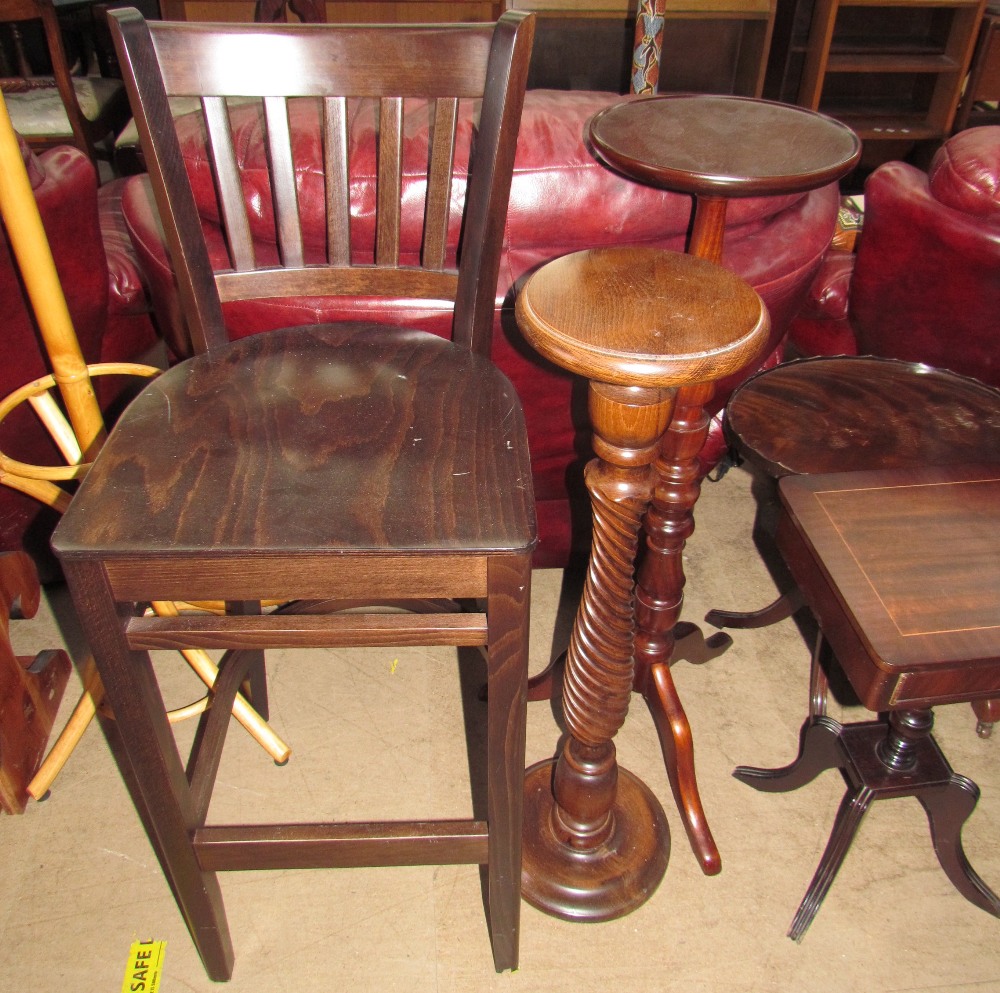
[
  {"x": 730, "y": 146},
  {"x": 847, "y": 413}
]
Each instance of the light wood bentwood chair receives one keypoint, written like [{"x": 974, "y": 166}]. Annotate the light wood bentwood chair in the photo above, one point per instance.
[{"x": 339, "y": 463}]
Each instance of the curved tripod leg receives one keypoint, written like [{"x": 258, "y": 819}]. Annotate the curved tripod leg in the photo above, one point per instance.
[
  {"x": 780, "y": 610},
  {"x": 674, "y": 732},
  {"x": 853, "y": 808},
  {"x": 948, "y": 807},
  {"x": 819, "y": 750}
]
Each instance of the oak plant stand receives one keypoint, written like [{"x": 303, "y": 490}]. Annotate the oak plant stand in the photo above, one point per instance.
[{"x": 651, "y": 331}]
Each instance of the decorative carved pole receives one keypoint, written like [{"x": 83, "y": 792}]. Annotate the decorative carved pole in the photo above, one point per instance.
[{"x": 649, "y": 20}]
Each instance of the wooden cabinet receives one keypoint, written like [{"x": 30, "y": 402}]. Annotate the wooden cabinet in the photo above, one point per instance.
[{"x": 891, "y": 69}]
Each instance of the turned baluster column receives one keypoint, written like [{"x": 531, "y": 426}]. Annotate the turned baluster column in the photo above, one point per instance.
[{"x": 668, "y": 524}]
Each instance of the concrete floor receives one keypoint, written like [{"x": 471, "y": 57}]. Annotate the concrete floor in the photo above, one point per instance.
[{"x": 381, "y": 734}]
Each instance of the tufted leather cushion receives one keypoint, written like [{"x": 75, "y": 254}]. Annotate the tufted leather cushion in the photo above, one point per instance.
[{"x": 965, "y": 173}]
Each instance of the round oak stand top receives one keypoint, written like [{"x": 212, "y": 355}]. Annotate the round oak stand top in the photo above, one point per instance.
[
  {"x": 642, "y": 317},
  {"x": 720, "y": 145}
]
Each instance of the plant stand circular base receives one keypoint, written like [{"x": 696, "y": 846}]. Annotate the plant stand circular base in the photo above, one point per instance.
[{"x": 607, "y": 882}]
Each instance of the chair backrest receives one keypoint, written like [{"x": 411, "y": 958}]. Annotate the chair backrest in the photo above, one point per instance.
[
  {"x": 16, "y": 12},
  {"x": 309, "y": 87}
]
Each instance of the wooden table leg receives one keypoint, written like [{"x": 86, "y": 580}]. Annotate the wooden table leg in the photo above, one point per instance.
[
  {"x": 596, "y": 841},
  {"x": 668, "y": 524}
]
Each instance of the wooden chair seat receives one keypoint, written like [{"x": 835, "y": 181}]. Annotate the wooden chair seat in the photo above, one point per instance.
[{"x": 385, "y": 461}]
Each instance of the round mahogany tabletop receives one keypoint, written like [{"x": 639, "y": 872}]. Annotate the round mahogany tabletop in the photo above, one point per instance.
[
  {"x": 847, "y": 413},
  {"x": 720, "y": 145}
]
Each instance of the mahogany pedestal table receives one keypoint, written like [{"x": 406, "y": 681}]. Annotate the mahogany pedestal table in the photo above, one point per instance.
[
  {"x": 640, "y": 325},
  {"x": 901, "y": 567},
  {"x": 851, "y": 413},
  {"x": 715, "y": 148}
]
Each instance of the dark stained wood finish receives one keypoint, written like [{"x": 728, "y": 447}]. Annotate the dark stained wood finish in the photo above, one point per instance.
[
  {"x": 913, "y": 560},
  {"x": 725, "y": 146},
  {"x": 640, "y": 324},
  {"x": 342, "y": 464},
  {"x": 31, "y": 687},
  {"x": 900, "y": 567},
  {"x": 698, "y": 144},
  {"x": 854, "y": 413},
  {"x": 850, "y": 413}
]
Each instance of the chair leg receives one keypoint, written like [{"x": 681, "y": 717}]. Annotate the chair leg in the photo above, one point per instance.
[
  {"x": 853, "y": 808},
  {"x": 948, "y": 807},
  {"x": 507, "y": 686},
  {"x": 819, "y": 750},
  {"x": 161, "y": 795},
  {"x": 987, "y": 714}
]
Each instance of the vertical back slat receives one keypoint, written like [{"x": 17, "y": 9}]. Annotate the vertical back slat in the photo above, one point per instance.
[
  {"x": 230, "y": 189},
  {"x": 442, "y": 160},
  {"x": 283, "y": 193},
  {"x": 390, "y": 180},
  {"x": 338, "y": 188}
]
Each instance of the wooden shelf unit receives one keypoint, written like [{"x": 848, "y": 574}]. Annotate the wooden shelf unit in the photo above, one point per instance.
[
  {"x": 740, "y": 29},
  {"x": 890, "y": 69}
]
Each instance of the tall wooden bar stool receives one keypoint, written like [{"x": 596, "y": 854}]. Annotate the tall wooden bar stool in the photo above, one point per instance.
[
  {"x": 640, "y": 324},
  {"x": 901, "y": 568}
]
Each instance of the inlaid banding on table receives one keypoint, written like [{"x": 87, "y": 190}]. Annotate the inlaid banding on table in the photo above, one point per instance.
[{"x": 945, "y": 529}]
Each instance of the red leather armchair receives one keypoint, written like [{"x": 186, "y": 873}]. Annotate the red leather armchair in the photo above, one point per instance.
[
  {"x": 108, "y": 304},
  {"x": 562, "y": 200},
  {"x": 925, "y": 283}
]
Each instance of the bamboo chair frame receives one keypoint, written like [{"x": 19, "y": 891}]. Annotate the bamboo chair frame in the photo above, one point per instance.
[{"x": 78, "y": 434}]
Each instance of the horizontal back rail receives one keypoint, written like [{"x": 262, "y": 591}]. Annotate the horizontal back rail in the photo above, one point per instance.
[{"x": 420, "y": 61}]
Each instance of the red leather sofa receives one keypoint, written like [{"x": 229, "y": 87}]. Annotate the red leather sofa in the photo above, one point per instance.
[
  {"x": 107, "y": 301},
  {"x": 562, "y": 200},
  {"x": 924, "y": 285}
]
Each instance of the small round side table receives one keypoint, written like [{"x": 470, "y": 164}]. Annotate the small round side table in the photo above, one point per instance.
[
  {"x": 716, "y": 148},
  {"x": 853, "y": 413},
  {"x": 640, "y": 324}
]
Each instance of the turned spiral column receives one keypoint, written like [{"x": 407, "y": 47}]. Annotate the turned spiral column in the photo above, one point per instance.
[
  {"x": 645, "y": 327},
  {"x": 587, "y": 807}
]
